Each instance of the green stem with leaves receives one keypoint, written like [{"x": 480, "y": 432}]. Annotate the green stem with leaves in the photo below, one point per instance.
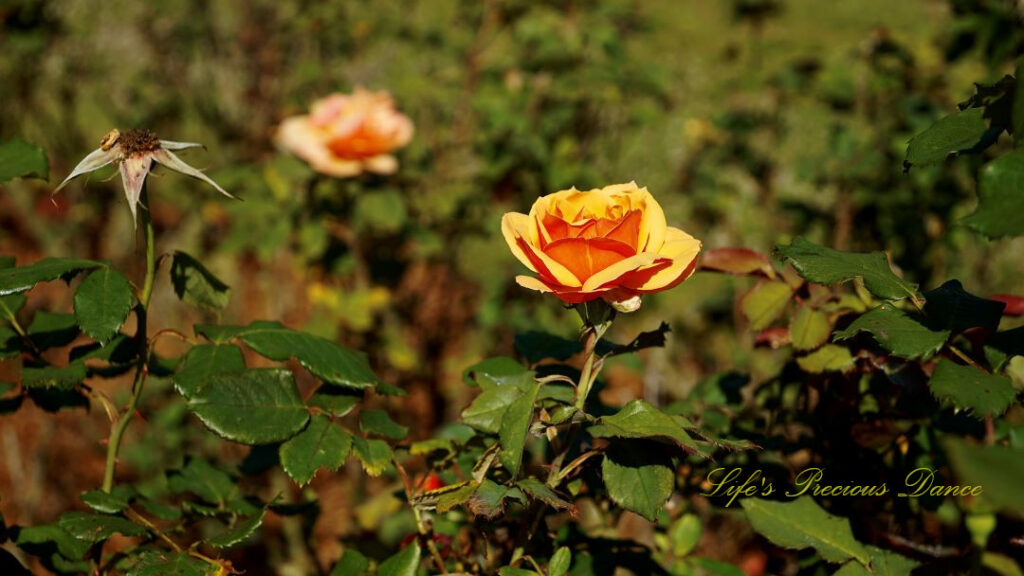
[{"x": 119, "y": 425}]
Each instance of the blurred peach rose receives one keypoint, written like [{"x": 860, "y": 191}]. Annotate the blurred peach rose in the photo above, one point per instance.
[
  {"x": 610, "y": 243},
  {"x": 346, "y": 134}
]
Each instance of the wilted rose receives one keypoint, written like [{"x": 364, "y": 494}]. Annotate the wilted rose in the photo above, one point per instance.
[
  {"x": 346, "y": 134},
  {"x": 610, "y": 243}
]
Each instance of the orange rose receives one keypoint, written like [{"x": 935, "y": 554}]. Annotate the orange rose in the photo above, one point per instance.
[
  {"x": 610, "y": 243},
  {"x": 345, "y": 134}
]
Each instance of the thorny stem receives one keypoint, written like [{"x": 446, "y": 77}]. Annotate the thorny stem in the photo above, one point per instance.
[{"x": 141, "y": 311}]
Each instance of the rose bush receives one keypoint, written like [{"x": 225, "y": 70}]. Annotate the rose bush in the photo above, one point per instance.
[
  {"x": 347, "y": 134},
  {"x": 611, "y": 243}
]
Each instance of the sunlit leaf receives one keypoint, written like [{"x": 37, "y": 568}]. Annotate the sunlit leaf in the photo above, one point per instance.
[
  {"x": 971, "y": 389},
  {"x": 102, "y": 302},
  {"x": 764, "y": 303},
  {"x": 957, "y": 132},
  {"x": 196, "y": 285},
  {"x": 827, "y": 266},
  {"x": 1000, "y": 197},
  {"x": 809, "y": 328},
  {"x": 800, "y": 524},
  {"x": 639, "y": 478},
  {"x": 896, "y": 332},
  {"x": 22, "y": 278},
  {"x": 256, "y": 406},
  {"x": 640, "y": 419},
  {"x": 322, "y": 444}
]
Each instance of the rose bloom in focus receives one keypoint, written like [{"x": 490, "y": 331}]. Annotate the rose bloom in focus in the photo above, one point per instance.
[
  {"x": 347, "y": 134},
  {"x": 611, "y": 243}
]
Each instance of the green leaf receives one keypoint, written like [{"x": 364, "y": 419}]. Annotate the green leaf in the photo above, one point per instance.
[
  {"x": 208, "y": 483},
  {"x": 106, "y": 502},
  {"x": 51, "y": 377},
  {"x": 883, "y": 563},
  {"x": 514, "y": 427},
  {"x": 322, "y": 444},
  {"x": 257, "y": 406},
  {"x": 540, "y": 491},
  {"x": 560, "y": 561},
  {"x": 22, "y": 278},
  {"x": 639, "y": 478},
  {"x": 52, "y": 330},
  {"x": 374, "y": 455},
  {"x": 640, "y": 419},
  {"x": 333, "y": 401},
  {"x": 166, "y": 563},
  {"x": 352, "y": 563},
  {"x": 379, "y": 423},
  {"x": 241, "y": 530},
  {"x": 764, "y": 303},
  {"x": 809, "y": 328},
  {"x": 196, "y": 285},
  {"x": 684, "y": 534},
  {"x": 404, "y": 563},
  {"x": 19, "y": 159},
  {"x": 971, "y": 389},
  {"x": 493, "y": 372},
  {"x": 513, "y": 571},
  {"x": 66, "y": 544},
  {"x": 327, "y": 360},
  {"x": 996, "y": 469},
  {"x": 801, "y": 524},
  {"x": 1000, "y": 197},
  {"x": 486, "y": 411},
  {"x": 102, "y": 302},
  {"x": 950, "y": 307},
  {"x": 827, "y": 266},
  {"x": 957, "y": 132},
  {"x": 828, "y": 358},
  {"x": 488, "y": 500},
  {"x": 897, "y": 333},
  {"x": 97, "y": 527},
  {"x": 204, "y": 361}
]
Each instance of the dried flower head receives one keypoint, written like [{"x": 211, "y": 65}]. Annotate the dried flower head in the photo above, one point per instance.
[{"x": 134, "y": 152}]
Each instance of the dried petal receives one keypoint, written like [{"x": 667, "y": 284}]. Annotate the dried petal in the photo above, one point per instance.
[
  {"x": 96, "y": 159},
  {"x": 172, "y": 145},
  {"x": 133, "y": 174},
  {"x": 168, "y": 159}
]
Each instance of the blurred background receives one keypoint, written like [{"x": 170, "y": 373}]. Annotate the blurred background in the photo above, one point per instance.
[{"x": 751, "y": 121}]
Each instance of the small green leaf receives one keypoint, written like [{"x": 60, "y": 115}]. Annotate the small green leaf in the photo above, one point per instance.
[
  {"x": 334, "y": 401},
  {"x": 488, "y": 500},
  {"x": 957, "y": 132},
  {"x": 352, "y": 563},
  {"x": 560, "y": 561},
  {"x": 827, "y": 266},
  {"x": 374, "y": 455},
  {"x": 67, "y": 545},
  {"x": 514, "y": 427},
  {"x": 200, "y": 478},
  {"x": 809, "y": 328},
  {"x": 241, "y": 530},
  {"x": 486, "y": 411},
  {"x": 800, "y": 524},
  {"x": 684, "y": 534},
  {"x": 52, "y": 377},
  {"x": 513, "y": 571},
  {"x": 19, "y": 159},
  {"x": 828, "y": 358},
  {"x": 102, "y": 302},
  {"x": 379, "y": 423},
  {"x": 52, "y": 330},
  {"x": 639, "y": 477},
  {"x": 996, "y": 469},
  {"x": 167, "y": 563},
  {"x": 764, "y": 303},
  {"x": 331, "y": 362},
  {"x": 322, "y": 444},
  {"x": 1000, "y": 197},
  {"x": 540, "y": 491},
  {"x": 106, "y": 502},
  {"x": 950, "y": 307},
  {"x": 196, "y": 285},
  {"x": 897, "y": 333},
  {"x": 493, "y": 372},
  {"x": 971, "y": 389},
  {"x": 640, "y": 419},
  {"x": 257, "y": 406},
  {"x": 22, "y": 278},
  {"x": 404, "y": 563},
  {"x": 97, "y": 527},
  {"x": 203, "y": 362},
  {"x": 883, "y": 563}
]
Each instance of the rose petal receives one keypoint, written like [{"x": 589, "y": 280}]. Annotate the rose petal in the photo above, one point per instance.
[
  {"x": 607, "y": 278},
  {"x": 133, "y": 175},
  {"x": 96, "y": 159},
  {"x": 585, "y": 257},
  {"x": 682, "y": 249},
  {"x": 170, "y": 160},
  {"x": 383, "y": 164}
]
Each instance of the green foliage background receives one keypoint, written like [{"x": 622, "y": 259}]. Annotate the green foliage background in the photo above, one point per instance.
[{"x": 749, "y": 127}]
